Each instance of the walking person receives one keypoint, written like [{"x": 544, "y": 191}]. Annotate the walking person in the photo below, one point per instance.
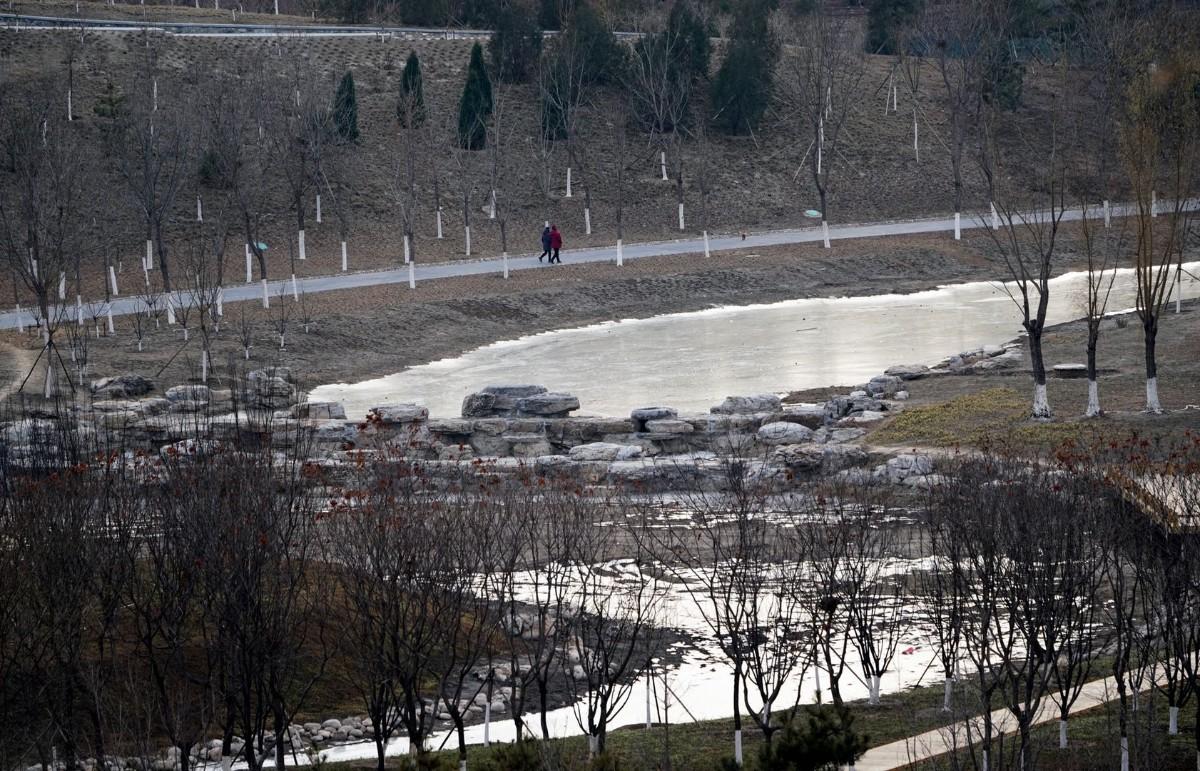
[
  {"x": 545, "y": 244},
  {"x": 555, "y": 243}
]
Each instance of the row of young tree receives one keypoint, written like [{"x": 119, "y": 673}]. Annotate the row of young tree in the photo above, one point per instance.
[{"x": 222, "y": 588}]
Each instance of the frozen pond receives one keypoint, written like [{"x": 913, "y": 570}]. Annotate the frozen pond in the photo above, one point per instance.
[{"x": 691, "y": 361}]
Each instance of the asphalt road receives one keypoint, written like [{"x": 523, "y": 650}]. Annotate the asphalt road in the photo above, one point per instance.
[{"x": 400, "y": 275}]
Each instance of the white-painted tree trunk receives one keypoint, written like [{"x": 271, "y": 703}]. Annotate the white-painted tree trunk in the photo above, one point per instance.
[
  {"x": 145, "y": 273},
  {"x": 412, "y": 275},
  {"x": 569, "y": 182},
  {"x": 70, "y": 112},
  {"x": 276, "y": 7},
  {"x": 662, "y": 162},
  {"x": 620, "y": 253},
  {"x": 345, "y": 259},
  {"x": 108, "y": 317},
  {"x": 203, "y": 366},
  {"x": 20, "y": 320},
  {"x": 995, "y": 217},
  {"x": 817, "y": 682},
  {"x": 825, "y": 233},
  {"x": 947, "y": 694},
  {"x": 649, "y": 721},
  {"x": 492, "y": 206},
  {"x": 199, "y": 210},
  {"x": 1152, "y": 403},
  {"x": 1107, "y": 213},
  {"x": 249, "y": 266},
  {"x": 985, "y": 765},
  {"x": 170, "y": 310},
  {"x": 737, "y": 746},
  {"x": 154, "y": 88},
  {"x": 467, "y": 231},
  {"x": 33, "y": 266},
  {"x": 220, "y": 302},
  {"x": 1124, "y": 753},
  {"x": 587, "y": 220},
  {"x": 439, "y": 224},
  {"x": 407, "y": 250},
  {"x": 1093, "y": 403},
  {"x": 112, "y": 281},
  {"x": 707, "y": 250},
  {"x": 266, "y": 298},
  {"x": 295, "y": 289},
  {"x": 303, "y": 252},
  {"x": 957, "y": 226},
  {"x": 593, "y": 746},
  {"x": 1062, "y": 734},
  {"x": 1153, "y": 203},
  {"x": 681, "y": 222},
  {"x": 820, "y": 143},
  {"x": 149, "y": 254},
  {"x": 1173, "y": 721},
  {"x": 79, "y": 310},
  {"x": 1041, "y": 402},
  {"x": 1179, "y": 289},
  {"x": 895, "y": 99},
  {"x": 62, "y": 285},
  {"x": 318, "y": 208},
  {"x": 48, "y": 389},
  {"x": 487, "y": 724},
  {"x": 504, "y": 260},
  {"x": 873, "y": 693}
]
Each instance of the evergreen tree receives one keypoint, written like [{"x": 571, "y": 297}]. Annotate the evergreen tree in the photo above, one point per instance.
[
  {"x": 410, "y": 110},
  {"x": 475, "y": 107},
  {"x": 685, "y": 26},
  {"x": 825, "y": 738},
  {"x": 1004, "y": 76},
  {"x": 345, "y": 109},
  {"x": 550, "y": 14},
  {"x": 603, "y": 56},
  {"x": 515, "y": 44},
  {"x": 886, "y": 19},
  {"x": 741, "y": 90}
]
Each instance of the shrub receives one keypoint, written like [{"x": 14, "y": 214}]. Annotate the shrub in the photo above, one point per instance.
[
  {"x": 345, "y": 109},
  {"x": 111, "y": 102},
  {"x": 475, "y": 107},
  {"x": 520, "y": 756},
  {"x": 515, "y": 45},
  {"x": 410, "y": 109},
  {"x": 820, "y": 739}
]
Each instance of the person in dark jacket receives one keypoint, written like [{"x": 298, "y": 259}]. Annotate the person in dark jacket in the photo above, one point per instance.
[
  {"x": 555, "y": 243},
  {"x": 545, "y": 244}
]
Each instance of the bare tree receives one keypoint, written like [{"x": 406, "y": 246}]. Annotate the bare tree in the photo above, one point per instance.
[
  {"x": 1160, "y": 144},
  {"x": 1102, "y": 253},
  {"x": 826, "y": 68}
]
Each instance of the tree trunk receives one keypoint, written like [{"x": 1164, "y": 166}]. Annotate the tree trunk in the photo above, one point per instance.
[
  {"x": 1150, "y": 333},
  {"x": 1093, "y": 404},
  {"x": 1041, "y": 403}
]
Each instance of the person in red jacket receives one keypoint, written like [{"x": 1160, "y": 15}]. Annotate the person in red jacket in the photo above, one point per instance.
[{"x": 555, "y": 243}]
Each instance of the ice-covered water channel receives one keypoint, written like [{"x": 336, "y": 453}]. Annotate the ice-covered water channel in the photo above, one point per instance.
[{"x": 690, "y": 361}]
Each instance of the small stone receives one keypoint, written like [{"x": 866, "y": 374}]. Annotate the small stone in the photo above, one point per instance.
[
  {"x": 604, "y": 451},
  {"x": 188, "y": 393},
  {"x": 547, "y": 404},
  {"x": 908, "y": 371},
  {"x": 1070, "y": 371}
]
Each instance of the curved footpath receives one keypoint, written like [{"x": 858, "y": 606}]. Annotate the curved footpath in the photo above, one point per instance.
[{"x": 399, "y": 275}]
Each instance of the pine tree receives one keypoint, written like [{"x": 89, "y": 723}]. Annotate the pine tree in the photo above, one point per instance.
[
  {"x": 741, "y": 90},
  {"x": 345, "y": 109},
  {"x": 685, "y": 26},
  {"x": 410, "y": 110},
  {"x": 886, "y": 19},
  {"x": 475, "y": 107}
]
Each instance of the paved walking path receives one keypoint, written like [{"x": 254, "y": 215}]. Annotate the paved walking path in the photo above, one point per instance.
[
  {"x": 690, "y": 245},
  {"x": 940, "y": 741}
]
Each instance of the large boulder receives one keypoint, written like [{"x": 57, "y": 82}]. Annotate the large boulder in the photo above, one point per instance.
[
  {"x": 904, "y": 466},
  {"x": 188, "y": 393},
  {"x": 478, "y": 405},
  {"x": 391, "y": 414},
  {"x": 907, "y": 371},
  {"x": 883, "y": 386},
  {"x": 784, "y": 433},
  {"x": 548, "y": 405},
  {"x": 747, "y": 405},
  {"x": 319, "y": 411},
  {"x": 604, "y": 451},
  {"x": 122, "y": 386},
  {"x": 640, "y": 415},
  {"x": 811, "y": 415},
  {"x": 498, "y": 400}
]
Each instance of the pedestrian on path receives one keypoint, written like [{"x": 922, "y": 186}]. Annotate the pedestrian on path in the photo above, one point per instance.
[
  {"x": 555, "y": 243},
  {"x": 545, "y": 243}
]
